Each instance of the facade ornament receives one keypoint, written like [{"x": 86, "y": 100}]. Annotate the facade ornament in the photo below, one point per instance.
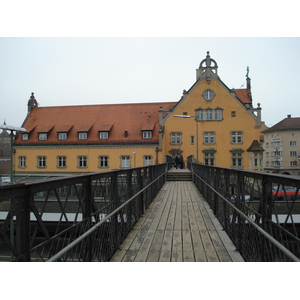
[{"x": 208, "y": 69}]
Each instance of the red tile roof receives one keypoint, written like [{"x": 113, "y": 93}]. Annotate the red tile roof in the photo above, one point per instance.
[
  {"x": 115, "y": 118},
  {"x": 242, "y": 94}
]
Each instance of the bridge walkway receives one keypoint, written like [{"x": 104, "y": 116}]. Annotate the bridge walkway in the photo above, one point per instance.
[{"x": 178, "y": 226}]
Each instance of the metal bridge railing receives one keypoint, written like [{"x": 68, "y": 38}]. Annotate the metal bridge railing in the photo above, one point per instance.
[
  {"x": 259, "y": 211},
  {"x": 83, "y": 218}
]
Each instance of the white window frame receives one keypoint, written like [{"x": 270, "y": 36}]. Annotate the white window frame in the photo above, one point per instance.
[
  {"x": 200, "y": 115},
  {"x": 147, "y": 160},
  {"x": 125, "y": 161},
  {"x": 293, "y": 153},
  {"x": 147, "y": 134},
  {"x": 236, "y": 137},
  {"x": 43, "y": 136},
  {"x": 209, "y": 159},
  {"x": 103, "y": 135},
  {"x": 22, "y": 162},
  {"x": 41, "y": 162},
  {"x": 82, "y": 135},
  {"x": 209, "y": 114},
  {"x": 61, "y": 161},
  {"x": 293, "y": 143},
  {"x": 237, "y": 159},
  {"x": 25, "y": 137},
  {"x": 209, "y": 137},
  {"x": 62, "y": 136},
  {"x": 175, "y": 138},
  {"x": 103, "y": 161},
  {"x": 218, "y": 114},
  {"x": 82, "y": 161}
]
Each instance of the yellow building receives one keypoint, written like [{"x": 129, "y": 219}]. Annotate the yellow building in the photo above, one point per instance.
[
  {"x": 211, "y": 124},
  {"x": 214, "y": 124}
]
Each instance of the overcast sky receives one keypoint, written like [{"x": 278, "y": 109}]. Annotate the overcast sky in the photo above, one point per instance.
[
  {"x": 76, "y": 71},
  {"x": 35, "y": 55}
]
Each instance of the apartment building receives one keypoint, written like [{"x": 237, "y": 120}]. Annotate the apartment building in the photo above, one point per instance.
[{"x": 282, "y": 147}]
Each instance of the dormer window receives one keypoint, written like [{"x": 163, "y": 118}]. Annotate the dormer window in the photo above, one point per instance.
[
  {"x": 147, "y": 134},
  {"x": 103, "y": 135},
  {"x": 43, "y": 132},
  {"x": 82, "y": 135},
  {"x": 43, "y": 136},
  {"x": 25, "y": 137},
  {"x": 62, "y": 136}
]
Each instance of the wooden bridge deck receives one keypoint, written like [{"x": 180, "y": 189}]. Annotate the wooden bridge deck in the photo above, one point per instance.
[{"x": 178, "y": 226}]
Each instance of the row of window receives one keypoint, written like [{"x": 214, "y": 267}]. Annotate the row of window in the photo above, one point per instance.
[
  {"x": 236, "y": 137},
  {"x": 279, "y": 144},
  {"x": 209, "y": 114},
  {"x": 280, "y": 153},
  {"x": 236, "y": 159},
  {"x": 63, "y": 136},
  {"x": 276, "y": 163},
  {"x": 82, "y": 161}
]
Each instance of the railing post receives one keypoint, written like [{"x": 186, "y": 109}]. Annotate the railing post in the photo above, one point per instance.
[
  {"x": 88, "y": 214},
  {"x": 115, "y": 200},
  {"x": 22, "y": 204},
  {"x": 141, "y": 186},
  {"x": 266, "y": 213}
]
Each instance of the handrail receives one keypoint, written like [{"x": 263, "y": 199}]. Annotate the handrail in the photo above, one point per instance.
[
  {"x": 263, "y": 225},
  {"x": 93, "y": 228},
  {"x": 256, "y": 226}
]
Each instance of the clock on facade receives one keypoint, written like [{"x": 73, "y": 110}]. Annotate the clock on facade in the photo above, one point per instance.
[{"x": 208, "y": 95}]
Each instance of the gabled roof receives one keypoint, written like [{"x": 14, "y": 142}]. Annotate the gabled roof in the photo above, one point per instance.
[
  {"x": 286, "y": 124},
  {"x": 113, "y": 118},
  {"x": 243, "y": 96},
  {"x": 255, "y": 147}
]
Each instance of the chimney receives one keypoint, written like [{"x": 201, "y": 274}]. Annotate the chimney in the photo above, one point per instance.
[{"x": 289, "y": 116}]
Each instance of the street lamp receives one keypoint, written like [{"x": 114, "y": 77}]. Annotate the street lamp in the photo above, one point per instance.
[
  {"x": 187, "y": 116},
  {"x": 12, "y": 129}
]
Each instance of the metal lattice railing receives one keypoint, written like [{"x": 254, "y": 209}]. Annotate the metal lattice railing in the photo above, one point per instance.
[
  {"x": 43, "y": 218},
  {"x": 260, "y": 212}
]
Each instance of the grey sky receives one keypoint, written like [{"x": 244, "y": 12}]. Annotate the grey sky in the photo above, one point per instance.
[{"x": 77, "y": 71}]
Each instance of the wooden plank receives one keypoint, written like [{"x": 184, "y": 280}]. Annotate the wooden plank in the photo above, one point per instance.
[
  {"x": 197, "y": 241},
  {"x": 187, "y": 247},
  {"x": 145, "y": 247},
  {"x": 159, "y": 212},
  {"x": 156, "y": 245},
  {"x": 124, "y": 247},
  {"x": 212, "y": 256},
  {"x": 171, "y": 216},
  {"x": 185, "y": 223},
  {"x": 220, "y": 248},
  {"x": 166, "y": 249},
  {"x": 200, "y": 256},
  {"x": 135, "y": 246},
  {"x": 164, "y": 218},
  {"x": 177, "y": 246},
  {"x": 177, "y": 199}
]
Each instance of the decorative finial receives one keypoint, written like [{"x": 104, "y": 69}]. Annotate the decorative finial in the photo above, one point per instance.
[{"x": 247, "y": 72}]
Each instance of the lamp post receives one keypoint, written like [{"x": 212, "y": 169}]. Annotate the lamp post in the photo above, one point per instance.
[
  {"x": 12, "y": 129},
  {"x": 187, "y": 116},
  {"x": 134, "y": 153}
]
